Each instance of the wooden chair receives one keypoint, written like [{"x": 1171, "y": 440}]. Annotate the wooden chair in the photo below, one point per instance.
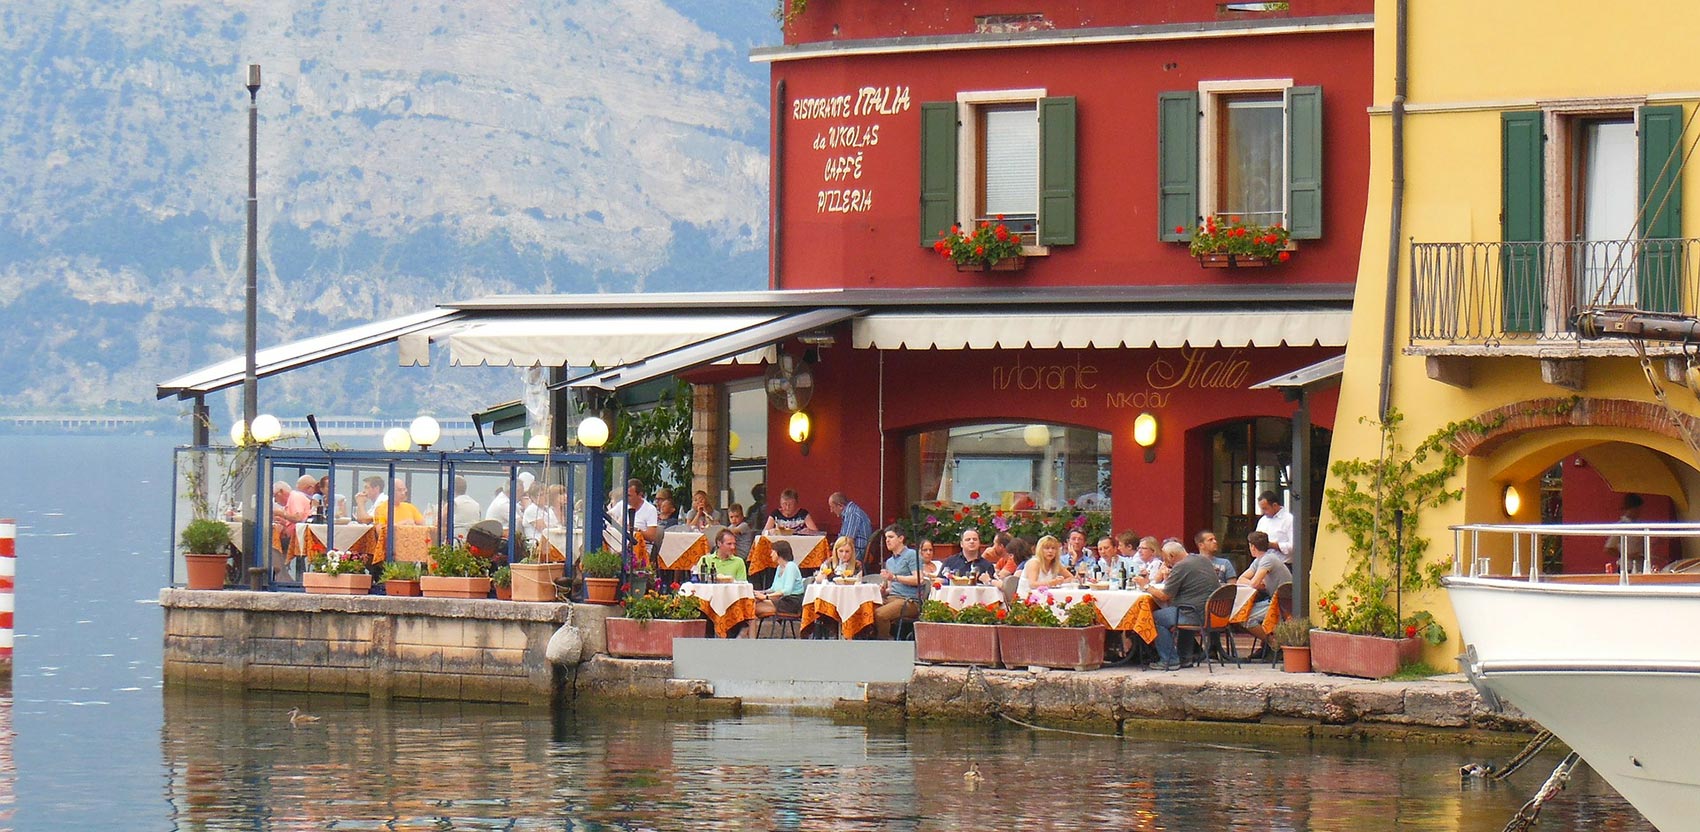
[{"x": 1219, "y": 607}]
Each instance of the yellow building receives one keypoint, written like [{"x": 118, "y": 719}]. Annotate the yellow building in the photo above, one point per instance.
[{"x": 1543, "y": 163}]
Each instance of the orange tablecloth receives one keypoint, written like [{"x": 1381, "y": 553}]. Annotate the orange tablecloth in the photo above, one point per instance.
[
  {"x": 822, "y": 600},
  {"x": 725, "y": 605},
  {"x": 809, "y": 549},
  {"x": 411, "y": 543},
  {"x": 681, "y": 548},
  {"x": 1244, "y": 597}
]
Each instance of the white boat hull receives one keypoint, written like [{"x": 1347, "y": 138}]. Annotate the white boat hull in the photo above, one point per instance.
[{"x": 1613, "y": 670}]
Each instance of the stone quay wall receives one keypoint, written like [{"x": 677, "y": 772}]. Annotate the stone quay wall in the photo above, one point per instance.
[{"x": 431, "y": 648}]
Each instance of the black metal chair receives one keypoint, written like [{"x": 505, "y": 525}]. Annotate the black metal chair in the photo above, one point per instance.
[
  {"x": 781, "y": 622},
  {"x": 1214, "y": 620},
  {"x": 904, "y": 630}
]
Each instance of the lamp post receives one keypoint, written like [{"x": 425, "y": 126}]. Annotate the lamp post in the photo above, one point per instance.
[
  {"x": 250, "y": 392},
  {"x": 593, "y": 434}
]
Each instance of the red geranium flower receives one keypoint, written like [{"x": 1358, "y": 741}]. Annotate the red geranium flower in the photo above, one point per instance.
[
  {"x": 1410, "y": 632},
  {"x": 675, "y": 586},
  {"x": 973, "y": 495},
  {"x": 1086, "y": 599},
  {"x": 1180, "y": 229},
  {"x": 1284, "y": 256},
  {"x": 1068, "y": 599},
  {"x": 979, "y": 251},
  {"x": 1002, "y": 614}
]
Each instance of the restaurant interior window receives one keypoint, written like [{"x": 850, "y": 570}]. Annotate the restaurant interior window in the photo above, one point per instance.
[
  {"x": 1250, "y": 457},
  {"x": 746, "y": 442},
  {"x": 1009, "y": 466}
]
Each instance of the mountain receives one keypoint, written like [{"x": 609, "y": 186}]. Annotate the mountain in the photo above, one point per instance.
[{"x": 409, "y": 154}]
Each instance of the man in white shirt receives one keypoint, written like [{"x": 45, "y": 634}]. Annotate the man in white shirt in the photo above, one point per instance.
[
  {"x": 1277, "y": 522},
  {"x": 646, "y": 520}
]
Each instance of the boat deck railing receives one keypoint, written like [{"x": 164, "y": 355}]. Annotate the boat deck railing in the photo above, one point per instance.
[{"x": 1468, "y": 540}]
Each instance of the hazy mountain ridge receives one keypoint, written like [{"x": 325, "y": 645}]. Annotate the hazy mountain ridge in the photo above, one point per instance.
[{"x": 425, "y": 154}]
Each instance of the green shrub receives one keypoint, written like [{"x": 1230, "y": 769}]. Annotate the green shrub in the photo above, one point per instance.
[
  {"x": 1294, "y": 632},
  {"x": 602, "y": 564},
  {"x": 205, "y": 537},
  {"x": 400, "y": 570},
  {"x": 976, "y": 614},
  {"x": 503, "y": 576},
  {"x": 457, "y": 561},
  {"x": 652, "y": 605},
  {"x": 937, "y": 612}
]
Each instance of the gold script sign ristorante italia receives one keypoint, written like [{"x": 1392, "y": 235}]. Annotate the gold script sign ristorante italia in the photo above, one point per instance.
[
  {"x": 1020, "y": 375},
  {"x": 1198, "y": 368}
]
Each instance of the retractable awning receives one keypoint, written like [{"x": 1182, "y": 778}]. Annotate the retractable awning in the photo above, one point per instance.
[
  {"x": 285, "y": 357},
  {"x": 953, "y": 330},
  {"x": 583, "y": 339},
  {"x": 713, "y": 349},
  {"x": 1324, "y": 373}
]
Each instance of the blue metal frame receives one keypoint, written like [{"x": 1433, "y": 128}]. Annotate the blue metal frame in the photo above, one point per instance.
[{"x": 444, "y": 464}]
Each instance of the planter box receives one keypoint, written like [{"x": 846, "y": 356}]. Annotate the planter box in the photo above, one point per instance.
[
  {"x": 1063, "y": 648},
  {"x": 602, "y": 590},
  {"x": 631, "y": 638},
  {"x": 1008, "y": 264},
  {"x": 319, "y": 583},
  {"x": 1231, "y": 261},
  {"x": 408, "y": 589},
  {"x": 439, "y": 587},
  {"x": 1366, "y": 657},
  {"x": 971, "y": 644},
  {"x": 536, "y": 581}
]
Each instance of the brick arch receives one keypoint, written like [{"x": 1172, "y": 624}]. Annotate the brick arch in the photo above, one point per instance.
[{"x": 1534, "y": 414}]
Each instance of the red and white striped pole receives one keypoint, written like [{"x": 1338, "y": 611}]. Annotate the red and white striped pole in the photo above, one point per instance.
[{"x": 8, "y": 571}]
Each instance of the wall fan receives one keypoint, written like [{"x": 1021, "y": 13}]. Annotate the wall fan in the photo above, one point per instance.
[{"x": 790, "y": 384}]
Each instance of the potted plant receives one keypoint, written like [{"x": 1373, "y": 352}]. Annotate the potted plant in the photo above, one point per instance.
[
  {"x": 966, "y": 636},
  {"x": 534, "y": 580},
  {"x": 456, "y": 573},
  {"x": 1294, "y": 637},
  {"x": 987, "y": 246},
  {"x": 401, "y": 578},
  {"x": 601, "y": 576},
  {"x": 336, "y": 572},
  {"x": 1360, "y": 630},
  {"x": 204, "y": 544},
  {"x": 503, "y": 580},
  {"x": 651, "y": 622},
  {"x": 1031, "y": 635},
  {"x": 1225, "y": 242}
]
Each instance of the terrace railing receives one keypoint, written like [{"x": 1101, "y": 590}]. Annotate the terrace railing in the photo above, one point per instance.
[{"x": 1493, "y": 294}]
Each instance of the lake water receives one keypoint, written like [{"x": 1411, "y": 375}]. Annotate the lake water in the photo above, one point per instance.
[{"x": 95, "y": 742}]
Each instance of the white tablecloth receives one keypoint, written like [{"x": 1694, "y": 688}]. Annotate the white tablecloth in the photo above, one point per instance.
[
  {"x": 810, "y": 550},
  {"x": 681, "y": 548},
  {"x": 961, "y": 597},
  {"x": 720, "y": 597},
  {"x": 851, "y": 605},
  {"x": 843, "y": 596}
]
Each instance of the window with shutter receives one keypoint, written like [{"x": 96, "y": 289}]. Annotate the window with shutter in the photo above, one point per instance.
[{"x": 1256, "y": 153}]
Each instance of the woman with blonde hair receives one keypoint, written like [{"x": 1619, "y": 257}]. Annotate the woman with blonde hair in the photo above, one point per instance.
[
  {"x": 1045, "y": 568},
  {"x": 843, "y": 563}
]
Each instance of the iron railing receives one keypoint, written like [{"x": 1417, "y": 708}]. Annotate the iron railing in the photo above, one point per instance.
[{"x": 1492, "y": 293}]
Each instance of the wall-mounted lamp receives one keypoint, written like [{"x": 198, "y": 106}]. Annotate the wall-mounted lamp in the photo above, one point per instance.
[
  {"x": 1036, "y": 436},
  {"x": 1513, "y": 501},
  {"x": 537, "y": 444},
  {"x": 593, "y": 432},
  {"x": 425, "y": 432},
  {"x": 733, "y": 441},
  {"x": 1145, "y": 435},
  {"x": 800, "y": 429},
  {"x": 396, "y": 440}
]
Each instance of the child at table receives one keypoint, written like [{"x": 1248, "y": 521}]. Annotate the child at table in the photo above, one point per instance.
[
  {"x": 737, "y": 525},
  {"x": 843, "y": 563}
]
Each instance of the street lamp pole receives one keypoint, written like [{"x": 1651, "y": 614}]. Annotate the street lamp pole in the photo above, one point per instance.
[{"x": 250, "y": 374}]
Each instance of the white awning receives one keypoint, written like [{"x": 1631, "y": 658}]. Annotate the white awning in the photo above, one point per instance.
[
  {"x": 1264, "y": 327},
  {"x": 583, "y": 340}
]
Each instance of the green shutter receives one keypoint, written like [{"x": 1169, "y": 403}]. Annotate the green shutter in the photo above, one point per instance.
[
  {"x": 1304, "y": 162},
  {"x": 1522, "y": 215},
  {"x": 1177, "y": 164},
  {"x": 938, "y": 169},
  {"x": 1056, "y": 171},
  {"x": 1660, "y": 134}
]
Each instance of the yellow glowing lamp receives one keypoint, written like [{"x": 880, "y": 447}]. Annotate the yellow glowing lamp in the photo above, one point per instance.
[
  {"x": 1513, "y": 501},
  {"x": 1036, "y": 436},
  {"x": 396, "y": 440},
  {"x": 733, "y": 441},
  {"x": 593, "y": 432},
  {"x": 239, "y": 432},
  {"x": 799, "y": 428},
  {"x": 537, "y": 444},
  {"x": 267, "y": 428},
  {"x": 1145, "y": 430}
]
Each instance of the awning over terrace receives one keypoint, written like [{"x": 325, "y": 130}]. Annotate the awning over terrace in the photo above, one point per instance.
[{"x": 1017, "y": 329}]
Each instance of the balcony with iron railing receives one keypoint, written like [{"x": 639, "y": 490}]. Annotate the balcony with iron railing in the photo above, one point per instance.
[{"x": 1521, "y": 298}]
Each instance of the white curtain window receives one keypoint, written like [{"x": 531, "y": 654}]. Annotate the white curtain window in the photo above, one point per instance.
[
  {"x": 1254, "y": 161},
  {"x": 1012, "y": 160},
  {"x": 1609, "y": 199}
]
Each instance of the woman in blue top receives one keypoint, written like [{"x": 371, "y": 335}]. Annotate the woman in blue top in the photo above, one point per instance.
[{"x": 786, "y": 593}]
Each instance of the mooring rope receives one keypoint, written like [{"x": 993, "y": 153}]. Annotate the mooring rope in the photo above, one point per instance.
[
  {"x": 1527, "y": 816},
  {"x": 1517, "y": 761}
]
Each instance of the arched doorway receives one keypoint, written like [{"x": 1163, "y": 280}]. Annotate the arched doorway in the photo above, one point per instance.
[{"x": 1245, "y": 458}]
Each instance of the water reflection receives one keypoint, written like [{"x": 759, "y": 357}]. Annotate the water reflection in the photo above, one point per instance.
[{"x": 238, "y": 763}]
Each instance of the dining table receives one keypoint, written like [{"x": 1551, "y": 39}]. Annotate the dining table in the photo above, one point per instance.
[
  {"x": 681, "y": 546},
  {"x": 1123, "y": 610},
  {"x": 850, "y": 605},
  {"x": 810, "y": 550},
  {"x": 724, "y": 604},
  {"x": 959, "y": 597}
]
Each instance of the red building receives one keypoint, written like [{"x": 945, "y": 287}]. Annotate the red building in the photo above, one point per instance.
[{"x": 1102, "y": 132}]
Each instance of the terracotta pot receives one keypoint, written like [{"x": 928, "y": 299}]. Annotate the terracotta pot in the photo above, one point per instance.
[
  {"x": 1231, "y": 261},
  {"x": 1064, "y": 648},
  {"x": 1008, "y": 264},
  {"x": 971, "y": 644},
  {"x": 434, "y": 586},
  {"x": 536, "y": 581},
  {"x": 505, "y": 593},
  {"x": 206, "y": 571},
  {"x": 1295, "y": 659},
  {"x": 1367, "y": 657},
  {"x": 408, "y": 589},
  {"x": 319, "y": 583},
  {"x": 601, "y": 590},
  {"x": 632, "y": 638}
]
